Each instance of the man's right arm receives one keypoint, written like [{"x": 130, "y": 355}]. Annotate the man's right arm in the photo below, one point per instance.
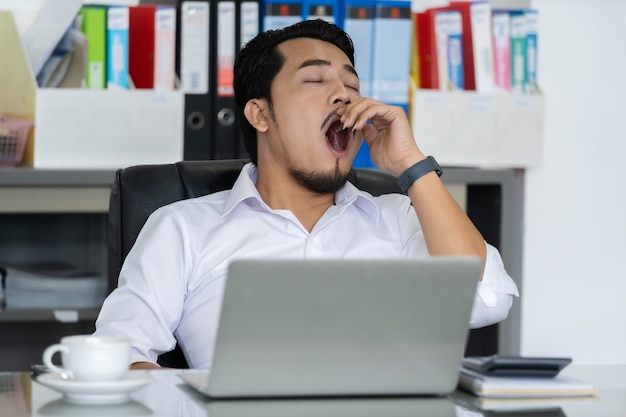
[
  {"x": 148, "y": 303},
  {"x": 145, "y": 365}
]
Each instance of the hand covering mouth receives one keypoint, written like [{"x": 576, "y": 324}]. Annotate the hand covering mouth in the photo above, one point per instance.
[{"x": 337, "y": 137}]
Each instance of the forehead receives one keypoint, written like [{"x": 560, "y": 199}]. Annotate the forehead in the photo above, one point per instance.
[{"x": 299, "y": 50}]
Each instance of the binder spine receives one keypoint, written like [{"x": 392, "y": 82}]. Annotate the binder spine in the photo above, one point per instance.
[
  {"x": 455, "y": 51},
  {"x": 165, "y": 48},
  {"x": 442, "y": 28},
  {"x": 95, "y": 29},
  {"x": 277, "y": 14},
  {"x": 532, "y": 28},
  {"x": 225, "y": 128},
  {"x": 193, "y": 63},
  {"x": 359, "y": 23},
  {"x": 249, "y": 22},
  {"x": 392, "y": 52},
  {"x": 117, "y": 47},
  {"x": 518, "y": 52},
  {"x": 321, "y": 9},
  {"x": 480, "y": 16},
  {"x": 501, "y": 50},
  {"x": 248, "y": 19}
]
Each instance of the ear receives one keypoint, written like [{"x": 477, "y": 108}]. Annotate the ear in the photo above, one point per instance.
[{"x": 255, "y": 112}]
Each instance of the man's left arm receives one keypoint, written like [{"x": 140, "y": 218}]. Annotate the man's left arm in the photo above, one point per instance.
[{"x": 446, "y": 227}]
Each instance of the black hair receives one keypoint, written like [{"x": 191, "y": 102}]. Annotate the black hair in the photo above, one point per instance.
[{"x": 259, "y": 61}]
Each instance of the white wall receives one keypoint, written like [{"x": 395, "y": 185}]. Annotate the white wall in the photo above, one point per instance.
[{"x": 574, "y": 266}]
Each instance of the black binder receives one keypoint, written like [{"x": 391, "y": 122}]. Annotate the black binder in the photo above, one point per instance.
[
  {"x": 224, "y": 46},
  {"x": 236, "y": 22},
  {"x": 248, "y": 26},
  {"x": 193, "y": 68}
]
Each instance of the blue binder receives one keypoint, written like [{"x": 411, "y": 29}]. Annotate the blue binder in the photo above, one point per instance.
[
  {"x": 358, "y": 22},
  {"x": 280, "y": 13},
  {"x": 391, "y": 55}
]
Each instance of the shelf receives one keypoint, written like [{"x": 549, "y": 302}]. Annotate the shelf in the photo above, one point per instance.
[
  {"x": 26, "y": 190},
  {"x": 46, "y": 315},
  {"x": 29, "y": 177}
]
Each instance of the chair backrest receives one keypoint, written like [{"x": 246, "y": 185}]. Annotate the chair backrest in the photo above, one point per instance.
[{"x": 139, "y": 190}]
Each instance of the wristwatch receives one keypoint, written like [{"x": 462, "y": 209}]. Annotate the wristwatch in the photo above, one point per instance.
[{"x": 418, "y": 170}]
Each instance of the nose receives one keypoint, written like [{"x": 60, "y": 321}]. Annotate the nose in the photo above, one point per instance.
[{"x": 340, "y": 95}]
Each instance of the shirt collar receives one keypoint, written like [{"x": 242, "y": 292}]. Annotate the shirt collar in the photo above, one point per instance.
[
  {"x": 244, "y": 190},
  {"x": 349, "y": 194}
]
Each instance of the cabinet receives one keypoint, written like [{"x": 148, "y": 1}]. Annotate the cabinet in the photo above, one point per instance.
[
  {"x": 50, "y": 215},
  {"x": 62, "y": 215}
]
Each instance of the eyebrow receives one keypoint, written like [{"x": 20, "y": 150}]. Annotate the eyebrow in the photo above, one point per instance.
[{"x": 323, "y": 62}]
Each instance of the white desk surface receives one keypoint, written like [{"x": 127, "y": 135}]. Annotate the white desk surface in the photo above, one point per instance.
[{"x": 166, "y": 396}]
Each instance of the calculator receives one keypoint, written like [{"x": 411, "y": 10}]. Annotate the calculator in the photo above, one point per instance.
[{"x": 516, "y": 366}]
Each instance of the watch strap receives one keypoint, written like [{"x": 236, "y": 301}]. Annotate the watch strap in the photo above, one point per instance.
[{"x": 418, "y": 170}]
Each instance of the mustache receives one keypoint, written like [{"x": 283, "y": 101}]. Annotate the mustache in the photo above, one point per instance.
[{"x": 328, "y": 118}]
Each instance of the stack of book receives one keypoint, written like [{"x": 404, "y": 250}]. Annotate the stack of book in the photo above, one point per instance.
[
  {"x": 51, "y": 285},
  {"x": 518, "y": 383}
]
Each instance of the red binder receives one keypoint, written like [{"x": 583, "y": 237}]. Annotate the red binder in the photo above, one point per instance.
[
  {"x": 427, "y": 48},
  {"x": 141, "y": 45}
]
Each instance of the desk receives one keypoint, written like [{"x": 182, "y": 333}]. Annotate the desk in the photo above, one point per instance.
[{"x": 166, "y": 396}]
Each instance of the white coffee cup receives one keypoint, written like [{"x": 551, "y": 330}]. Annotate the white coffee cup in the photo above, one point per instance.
[{"x": 90, "y": 358}]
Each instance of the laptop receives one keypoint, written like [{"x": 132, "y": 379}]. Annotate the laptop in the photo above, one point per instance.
[{"x": 341, "y": 328}]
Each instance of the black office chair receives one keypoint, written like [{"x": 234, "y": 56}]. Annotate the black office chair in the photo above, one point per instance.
[{"x": 139, "y": 190}]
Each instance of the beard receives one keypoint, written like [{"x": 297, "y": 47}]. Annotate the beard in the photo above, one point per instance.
[{"x": 321, "y": 182}]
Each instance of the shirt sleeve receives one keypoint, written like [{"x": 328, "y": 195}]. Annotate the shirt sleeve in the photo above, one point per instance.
[
  {"x": 494, "y": 294},
  {"x": 148, "y": 303}
]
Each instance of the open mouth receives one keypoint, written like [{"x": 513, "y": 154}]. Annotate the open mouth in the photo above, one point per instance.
[{"x": 337, "y": 137}]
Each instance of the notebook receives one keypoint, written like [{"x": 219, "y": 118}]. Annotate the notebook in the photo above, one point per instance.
[{"x": 341, "y": 328}]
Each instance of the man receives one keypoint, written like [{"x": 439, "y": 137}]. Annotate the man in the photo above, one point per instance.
[{"x": 303, "y": 121}]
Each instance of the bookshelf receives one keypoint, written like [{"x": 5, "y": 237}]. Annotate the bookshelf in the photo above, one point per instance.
[{"x": 61, "y": 213}]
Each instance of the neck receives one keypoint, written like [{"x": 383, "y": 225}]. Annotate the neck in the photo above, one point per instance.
[{"x": 287, "y": 194}]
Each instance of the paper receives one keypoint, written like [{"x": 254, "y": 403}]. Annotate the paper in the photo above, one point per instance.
[
  {"x": 53, "y": 21},
  {"x": 66, "y": 65}
]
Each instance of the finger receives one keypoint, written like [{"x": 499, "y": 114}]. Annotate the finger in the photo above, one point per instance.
[
  {"x": 354, "y": 109},
  {"x": 358, "y": 114}
]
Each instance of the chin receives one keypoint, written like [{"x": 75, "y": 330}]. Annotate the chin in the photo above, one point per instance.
[{"x": 322, "y": 182}]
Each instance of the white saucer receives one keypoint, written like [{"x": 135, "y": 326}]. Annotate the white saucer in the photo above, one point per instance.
[
  {"x": 94, "y": 392},
  {"x": 63, "y": 408}
]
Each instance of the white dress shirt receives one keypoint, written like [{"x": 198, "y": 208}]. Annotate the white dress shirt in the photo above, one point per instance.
[{"x": 171, "y": 284}]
